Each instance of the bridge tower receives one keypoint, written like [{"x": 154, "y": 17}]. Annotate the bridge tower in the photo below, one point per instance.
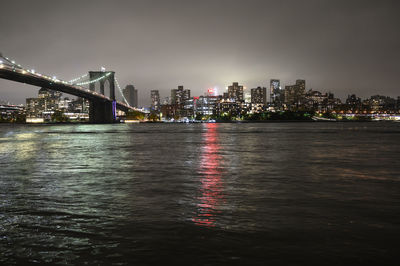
[{"x": 102, "y": 111}]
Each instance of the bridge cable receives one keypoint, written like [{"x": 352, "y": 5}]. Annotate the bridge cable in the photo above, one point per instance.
[
  {"x": 72, "y": 81},
  {"x": 94, "y": 80},
  {"x": 120, "y": 91}
]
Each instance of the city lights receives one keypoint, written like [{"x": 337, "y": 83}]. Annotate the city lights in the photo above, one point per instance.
[
  {"x": 76, "y": 86},
  {"x": 240, "y": 102},
  {"x": 78, "y": 78}
]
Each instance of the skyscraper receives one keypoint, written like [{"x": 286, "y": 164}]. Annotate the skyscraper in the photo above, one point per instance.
[
  {"x": 131, "y": 95},
  {"x": 302, "y": 85},
  {"x": 235, "y": 92},
  {"x": 155, "y": 100},
  {"x": 259, "y": 95},
  {"x": 276, "y": 93},
  {"x": 180, "y": 95},
  {"x": 295, "y": 95}
]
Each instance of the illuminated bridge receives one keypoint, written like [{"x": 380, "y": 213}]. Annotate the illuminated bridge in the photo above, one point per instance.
[{"x": 102, "y": 108}]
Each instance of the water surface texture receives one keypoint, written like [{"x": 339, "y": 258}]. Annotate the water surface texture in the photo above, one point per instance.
[{"x": 200, "y": 194}]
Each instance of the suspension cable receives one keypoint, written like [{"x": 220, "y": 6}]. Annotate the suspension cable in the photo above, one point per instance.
[
  {"x": 94, "y": 80},
  {"x": 78, "y": 78},
  {"x": 120, "y": 91}
]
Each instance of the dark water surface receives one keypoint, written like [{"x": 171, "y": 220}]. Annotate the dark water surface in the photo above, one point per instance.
[{"x": 200, "y": 194}]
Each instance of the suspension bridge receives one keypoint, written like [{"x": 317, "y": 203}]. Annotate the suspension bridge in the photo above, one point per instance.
[{"x": 102, "y": 108}]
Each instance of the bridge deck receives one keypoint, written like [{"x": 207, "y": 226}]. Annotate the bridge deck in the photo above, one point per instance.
[{"x": 23, "y": 76}]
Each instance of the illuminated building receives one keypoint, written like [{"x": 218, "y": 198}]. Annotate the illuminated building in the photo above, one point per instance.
[
  {"x": 353, "y": 104},
  {"x": 301, "y": 83},
  {"x": 50, "y": 101},
  {"x": 295, "y": 95},
  {"x": 11, "y": 113},
  {"x": 259, "y": 95},
  {"x": 317, "y": 101},
  {"x": 207, "y": 104},
  {"x": 64, "y": 104},
  {"x": 247, "y": 97},
  {"x": 277, "y": 95},
  {"x": 235, "y": 93},
  {"x": 380, "y": 104},
  {"x": 258, "y": 100},
  {"x": 226, "y": 107},
  {"x": 155, "y": 100},
  {"x": 188, "y": 108},
  {"x": 170, "y": 111},
  {"x": 43, "y": 106},
  {"x": 180, "y": 95}
]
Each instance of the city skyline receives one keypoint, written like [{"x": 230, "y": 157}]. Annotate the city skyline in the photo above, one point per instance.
[
  {"x": 199, "y": 132},
  {"x": 344, "y": 47}
]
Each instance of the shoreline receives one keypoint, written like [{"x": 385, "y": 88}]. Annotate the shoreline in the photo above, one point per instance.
[{"x": 205, "y": 122}]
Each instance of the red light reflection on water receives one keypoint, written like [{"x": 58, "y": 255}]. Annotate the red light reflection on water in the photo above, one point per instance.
[{"x": 211, "y": 190}]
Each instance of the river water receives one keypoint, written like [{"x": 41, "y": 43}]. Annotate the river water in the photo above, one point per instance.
[{"x": 200, "y": 194}]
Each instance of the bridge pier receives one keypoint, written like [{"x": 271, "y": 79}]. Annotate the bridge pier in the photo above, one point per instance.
[{"x": 102, "y": 112}]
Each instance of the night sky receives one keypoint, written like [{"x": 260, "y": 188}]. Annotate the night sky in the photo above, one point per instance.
[{"x": 339, "y": 46}]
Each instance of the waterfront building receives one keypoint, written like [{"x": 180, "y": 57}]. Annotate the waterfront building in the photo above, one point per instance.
[
  {"x": 228, "y": 108},
  {"x": 235, "y": 93},
  {"x": 180, "y": 95},
  {"x": 321, "y": 102},
  {"x": 188, "y": 108},
  {"x": 171, "y": 111},
  {"x": 49, "y": 104},
  {"x": 206, "y": 105},
  {"x": 43, "y": 106},
  {"x": 33, "y": 107},
  {"x": 155, "y": 100},
  {"x": 131, "y": 95},
  {"x": 11, "y": 113},
  {"x": 353, "y": 104},
  {"x": 80, "y": 105},
  {"x": 65, "y": 104},
  {"x": 277, "y": 95},
  {"x": 295, "y": 95},
  {"x": 380, "y": 104},
  {"x": 247, "y": 96},
  {"x": 179, "y": 99},
  {"x": 258, "y": 100},
  {"x": 259, "y": 95},
  {"x": 301, "y": 83}
]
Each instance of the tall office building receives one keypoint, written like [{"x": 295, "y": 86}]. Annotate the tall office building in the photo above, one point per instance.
[
  {"x": 275, "y": 92},
  {"x": 301, "y": 83},
  {"x": 155, "y": 100},
  {"x": 295, "y": 94},
  {"x": 180, "y": 95},
  {"x": 131, "y": 95},
  {"x": 235, "y": 92},
  {"x": 259, "y": 95}
]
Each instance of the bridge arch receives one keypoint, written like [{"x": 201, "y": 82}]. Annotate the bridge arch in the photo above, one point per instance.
[{"x": 102, "y": 77}]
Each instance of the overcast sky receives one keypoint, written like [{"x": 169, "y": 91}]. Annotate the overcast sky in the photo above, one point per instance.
[{"x": 344, "y": 46}]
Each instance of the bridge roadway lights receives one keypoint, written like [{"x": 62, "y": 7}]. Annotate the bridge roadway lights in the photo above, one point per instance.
[{"x": 101, "y": 112}]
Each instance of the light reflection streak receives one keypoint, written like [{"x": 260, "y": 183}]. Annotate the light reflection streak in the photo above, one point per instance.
[{"x": 211, "y": 189}]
